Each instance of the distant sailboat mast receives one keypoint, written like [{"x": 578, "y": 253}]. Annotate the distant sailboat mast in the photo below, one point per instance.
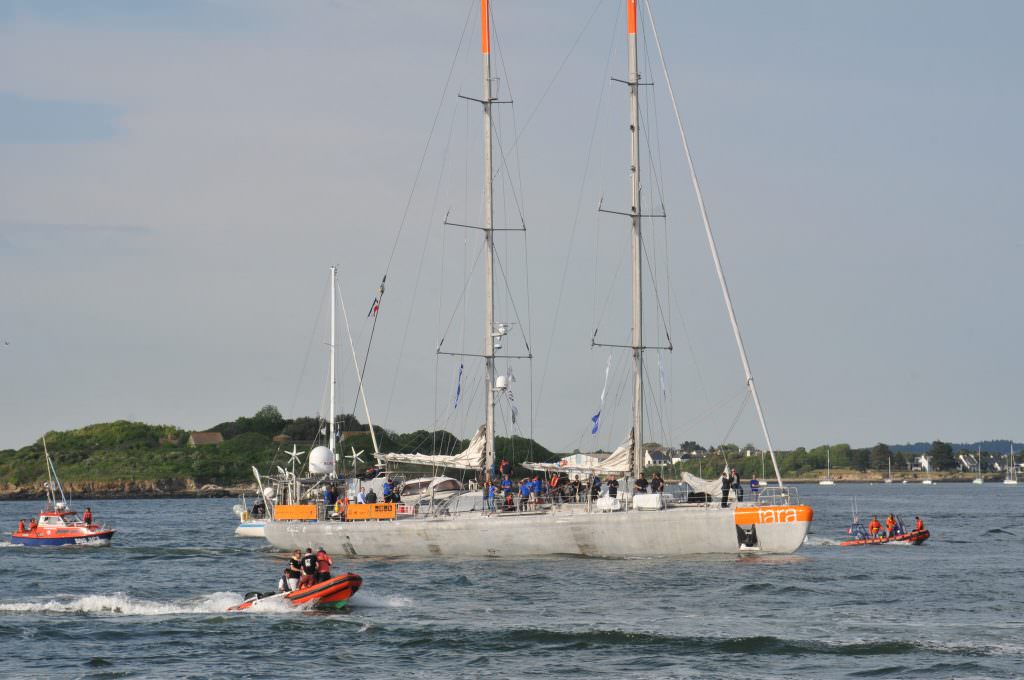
[{"x": 334, "y": 375}]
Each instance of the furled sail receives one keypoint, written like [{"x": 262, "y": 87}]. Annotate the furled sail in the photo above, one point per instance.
[
  {"x": 472, "y": 458},
  {"x": 616, "y": 463},
  {"x": 713, "y": 488}
]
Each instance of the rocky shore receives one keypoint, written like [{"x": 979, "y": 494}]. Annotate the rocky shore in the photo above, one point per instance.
[{"x": 161, "y": 488}]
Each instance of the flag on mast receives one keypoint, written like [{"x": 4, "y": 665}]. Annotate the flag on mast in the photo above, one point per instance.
[
  {"x": 596, "y": 418},
  {"x": 375, "y": 305},
  {"x": 458, "y": 387}
]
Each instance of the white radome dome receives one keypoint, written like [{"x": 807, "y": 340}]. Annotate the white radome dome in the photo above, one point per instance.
[
  {"x": 269, "y": 493},
  {"x": 321, "y": 461},
  {"x": 501, "y": 382}
]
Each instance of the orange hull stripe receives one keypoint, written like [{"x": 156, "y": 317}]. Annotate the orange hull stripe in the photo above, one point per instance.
[
  {"x": 630, "y": 17},
  {"x": 774, "y": 514}
]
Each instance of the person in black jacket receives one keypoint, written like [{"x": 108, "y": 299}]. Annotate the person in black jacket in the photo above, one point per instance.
[
  {"x": 657, "y": 483},
  {"x": 726, "y": 485}
]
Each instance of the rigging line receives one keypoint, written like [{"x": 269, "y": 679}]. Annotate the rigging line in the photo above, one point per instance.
[
  {"x": 704, "y": 415},
  {"x": 739, "y": 412},
  {"x": 623, "y": 256},
  {"x": 693, "y": 353},
  {"x": 652, "y": 401},
  {"x": 430, "y": 136},
  {"x": 575, "y": 222},
  {"x": 657, "y": 297},
  {"x": 419, "y": 272},
  {"x": 309, "y": 348},
  {"x": 508, "y": 83},
  {"x": 558, "y": 71},
  {"x": 512, "y": 302},
  {"x": 714, "y": 253},
  {"x": 465, "y": 287}
]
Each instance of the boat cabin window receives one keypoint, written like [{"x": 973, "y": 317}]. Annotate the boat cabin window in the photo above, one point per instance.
[
  {"x": 448, "y": 485},
  {"x": 51, "y": 520}
]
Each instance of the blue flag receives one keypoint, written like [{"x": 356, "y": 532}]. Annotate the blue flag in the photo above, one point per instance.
[
  {"x": 458, "y": 388},
  {"x": 597, "y": 422}
]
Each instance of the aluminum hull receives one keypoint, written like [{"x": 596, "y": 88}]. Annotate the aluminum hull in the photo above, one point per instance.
[{"x": 670, "y": 532}]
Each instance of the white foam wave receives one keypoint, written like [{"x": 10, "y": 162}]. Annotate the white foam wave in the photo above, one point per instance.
[
  {"x": 124, "y": 605},
  {"x": 820, "y": 540},
  {"x": 367, "y": 599}
]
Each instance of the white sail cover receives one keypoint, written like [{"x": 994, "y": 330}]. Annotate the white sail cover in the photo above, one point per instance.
[
  {"x": 712, "y": 488},
  {"x": 617, "y": 463},
  {"x": 472, "y": 458}
]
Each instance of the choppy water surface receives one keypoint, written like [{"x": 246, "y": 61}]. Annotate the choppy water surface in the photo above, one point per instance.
[{"x": 152, "y": 605}]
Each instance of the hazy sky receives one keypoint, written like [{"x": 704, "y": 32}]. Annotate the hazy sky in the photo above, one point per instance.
[{"x": 176, "y": 178}]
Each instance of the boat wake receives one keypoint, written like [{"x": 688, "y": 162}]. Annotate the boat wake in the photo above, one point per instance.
[
  {"x": 820, "y": 540},
  {"x": 120, "y": 604}
]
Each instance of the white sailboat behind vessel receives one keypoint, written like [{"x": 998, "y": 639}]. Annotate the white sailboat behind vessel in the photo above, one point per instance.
[
  {"x": 828, "y": 481},
  {"x": 641, "y": 524},
  {"x": 1011, "y": 470},
  {"x": 978, "y": 479}
]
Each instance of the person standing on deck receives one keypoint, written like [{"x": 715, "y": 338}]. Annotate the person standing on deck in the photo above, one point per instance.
[
  {"x": 737, "y": 487},
  {"x": 874, "y": 526},
  {"x": 640, "y": 485},
  {"x": 726, "y": 485},
  {"x": 657, "y": 483},
  {"x": 323, "y": 565},
  {"x": 87, "y": 516},
  {"x": 308, "y": 577},
  {"x": 755, "y": 488},
  {"x": 613, "y": 487}
]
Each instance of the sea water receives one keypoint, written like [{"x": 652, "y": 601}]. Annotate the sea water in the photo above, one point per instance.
[{"x": 153, "y": 604}]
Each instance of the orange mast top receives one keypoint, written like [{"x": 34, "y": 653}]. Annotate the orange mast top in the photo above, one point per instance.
[
  {"x": 630, "y": 16},
  {"x": 485, "y": 28}
]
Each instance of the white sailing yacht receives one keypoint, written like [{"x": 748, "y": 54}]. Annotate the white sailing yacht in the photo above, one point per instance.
[
  {"x": 1011, "y": 469},
  {"x": 888, "y": 479},
  {"x": 641, "y": 524},
  {"x": 828, "y": 469},
  {"x": 978, "y": 478}
]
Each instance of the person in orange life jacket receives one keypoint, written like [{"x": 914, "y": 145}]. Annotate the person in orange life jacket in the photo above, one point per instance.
[
  {"x": 21, "y": 526},
  {"x": 323, "y": 565},
  {"x": 640, "y": 485},
  {"x": 874, "y": 527},
  {"x": 890, "y": 526},
  {"x": 32, "y": 524},
  {"x": 918, "y": 524},
  {"x": 726, "y": 485},
  {"x": 87, "y": 516},
  {"x": 613, "y": 486},
  {"x": 308, "y": 577}
]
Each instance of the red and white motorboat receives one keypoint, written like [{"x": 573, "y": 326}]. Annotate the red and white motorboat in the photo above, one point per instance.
[{"x": 57, "y": 523}]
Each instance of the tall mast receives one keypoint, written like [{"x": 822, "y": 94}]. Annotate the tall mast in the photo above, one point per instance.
[
  {"x": 638, "y": 312},
  {"x": 485, "y": 34},
  {"x": 334, "y": 379}
]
